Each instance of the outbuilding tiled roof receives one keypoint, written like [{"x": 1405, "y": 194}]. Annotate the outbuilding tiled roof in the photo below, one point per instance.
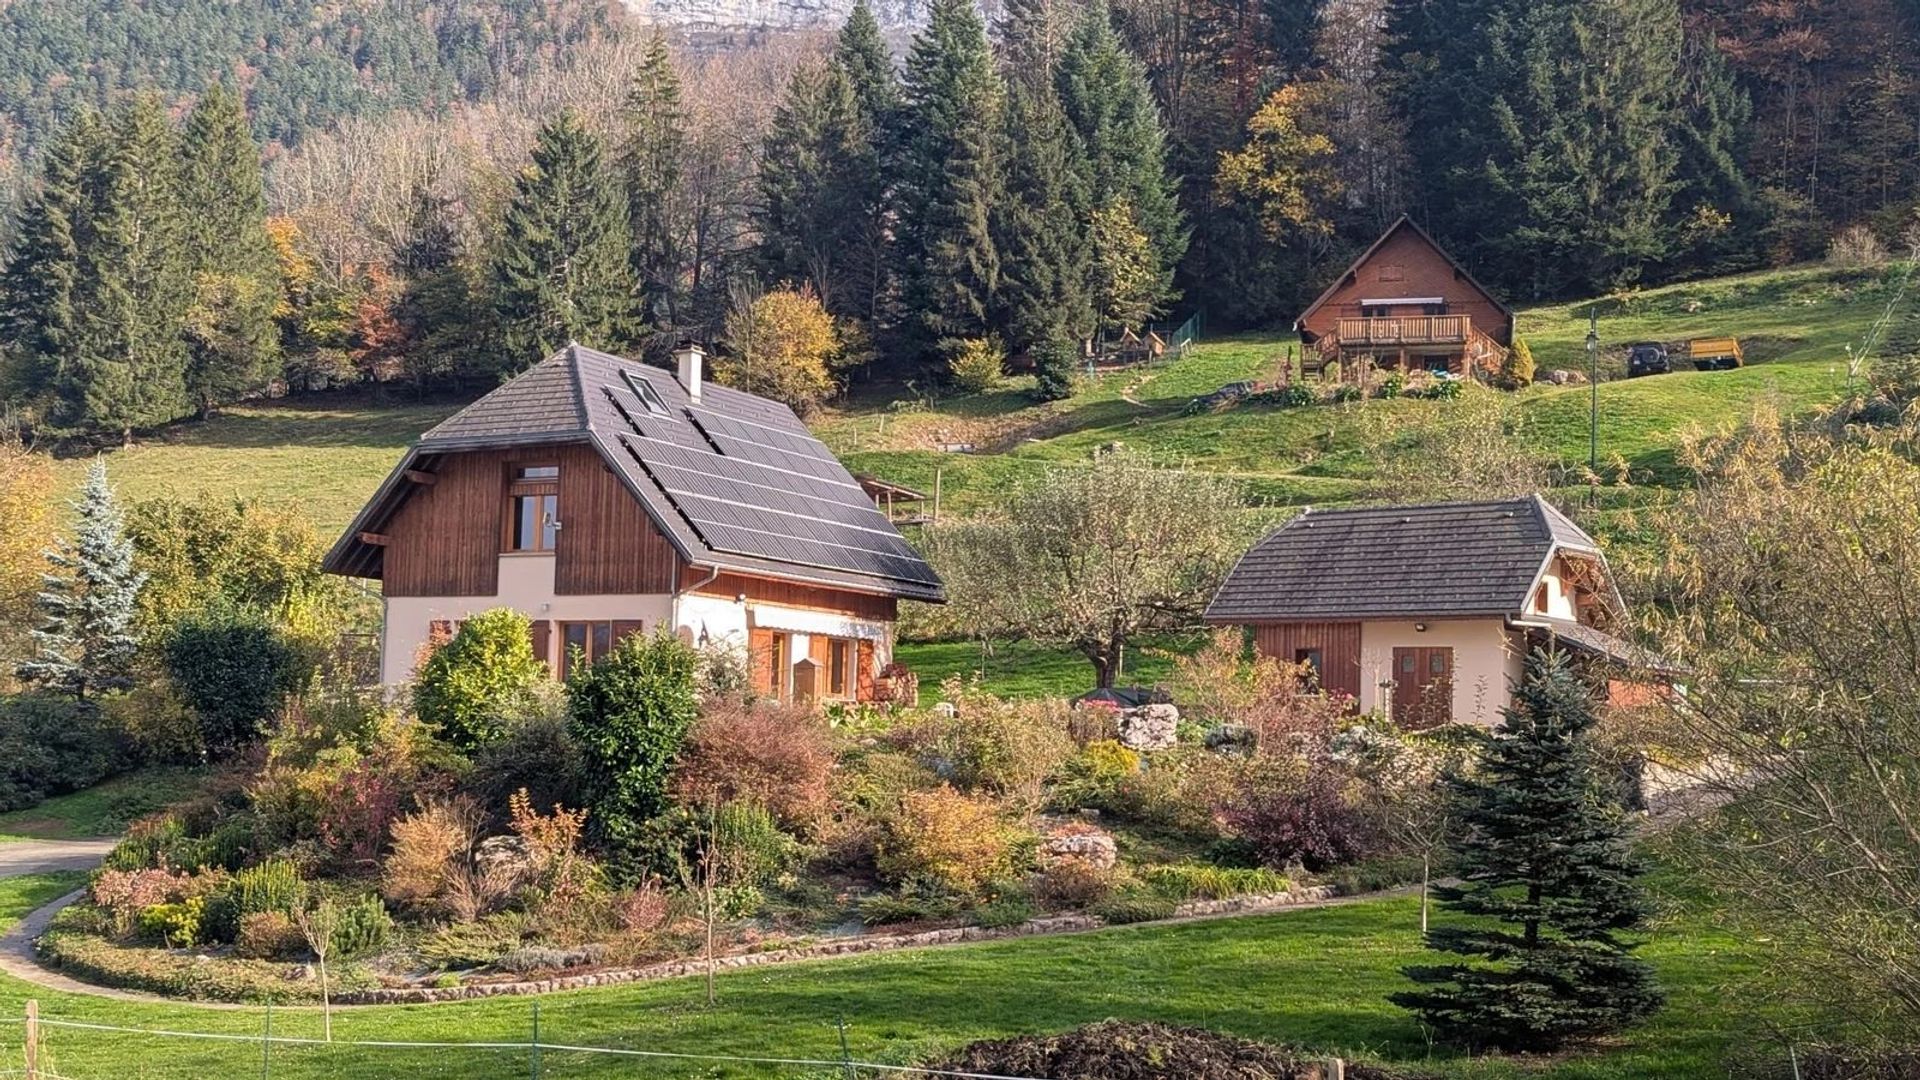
[
  {"x": 734, "y": 481},
  {"x": 1436, "y": 560}
]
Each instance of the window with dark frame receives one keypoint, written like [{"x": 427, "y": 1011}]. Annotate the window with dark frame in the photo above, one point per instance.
[
  {"x": 1311, "y": 658},
  {"x": 533, "y": 508}
]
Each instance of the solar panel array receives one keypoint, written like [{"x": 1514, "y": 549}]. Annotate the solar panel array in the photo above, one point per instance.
[{"x": 751, "y": 482}]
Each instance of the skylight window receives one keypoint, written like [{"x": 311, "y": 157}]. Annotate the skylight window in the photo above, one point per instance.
[{"x": 649, "y": 397}]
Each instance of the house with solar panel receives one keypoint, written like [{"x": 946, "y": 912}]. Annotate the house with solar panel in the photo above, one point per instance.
[
  {"x": 600, "y": 497},
  {"x": 1426, "y": 613}
]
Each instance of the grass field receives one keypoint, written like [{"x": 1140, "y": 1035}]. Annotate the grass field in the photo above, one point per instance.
[
  {"x": 103, "y": 810},
  {"x": 327, "y": 455},
  {"x": 1023, "y": 669},
  {"x": 1314, "y": 978}
]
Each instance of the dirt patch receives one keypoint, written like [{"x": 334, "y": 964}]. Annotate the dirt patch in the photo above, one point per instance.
[{"x": 1119, "y": 1050}]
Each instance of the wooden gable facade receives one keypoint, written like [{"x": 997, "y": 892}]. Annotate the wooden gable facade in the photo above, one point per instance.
[{"x": 1406, "y": 303}]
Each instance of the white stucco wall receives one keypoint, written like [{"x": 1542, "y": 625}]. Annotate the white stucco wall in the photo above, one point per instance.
[
  {"x": 526, "y": 585},
  {"x": 1486, "y": 663},
  {"x": 1559, "y": 595}
]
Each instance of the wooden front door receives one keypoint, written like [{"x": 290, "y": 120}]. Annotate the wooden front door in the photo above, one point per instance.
[{"x": 1422, "y": 686}]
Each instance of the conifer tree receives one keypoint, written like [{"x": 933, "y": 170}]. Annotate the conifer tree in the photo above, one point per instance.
[
  {"x": 949, "y": 179},
  {"x": 127, "y": 364},
  {"x": 861, "y": 54},
  {"x": 651, "y": 161},
  {"x": 436, "y": 309},
  {"x": 1033, "y": 37},
  {"x": 814, "y": 180},
  {"x": 36, "y": 288},
  {"x": 862, "y": 58},
  {"x": 560, "y": 270},
  {"x": 86, "y": 641},
  {"x": 1543, "y": 850},
  {"x": 1044, "y": 267},
  {"x": 230, "y": 328},
  {"x": 1120, "y": 142}
]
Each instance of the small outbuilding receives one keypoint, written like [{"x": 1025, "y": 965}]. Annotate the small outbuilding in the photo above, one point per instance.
[{"x": 1427, "y": 612}]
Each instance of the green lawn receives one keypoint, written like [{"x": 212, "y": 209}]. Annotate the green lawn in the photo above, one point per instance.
[
  {"x": 1023, "y": 669},
  {"x": 324, "y": 456},
  {"x": 1316, "y": 979},
  {"x": 103, "y": 810}
]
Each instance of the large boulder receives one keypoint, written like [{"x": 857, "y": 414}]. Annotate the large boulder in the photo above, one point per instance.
[
  {"x": 1081, "y": 844},
  {"x": 1150, "y": 727}
]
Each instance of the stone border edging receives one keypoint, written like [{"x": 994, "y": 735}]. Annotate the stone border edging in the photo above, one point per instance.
[{"x": 1057, "y": 924}]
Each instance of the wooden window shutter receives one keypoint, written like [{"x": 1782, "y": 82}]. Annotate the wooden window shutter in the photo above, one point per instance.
[
  {"x": 541, "y": 633},
  {"x": 623, "y": 627}
]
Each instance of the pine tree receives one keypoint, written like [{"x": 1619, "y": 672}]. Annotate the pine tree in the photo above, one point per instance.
[
  {"x": 862, "y": 58},
  {"x": 651, "y": 161},
  {"x": 230, "y": 327},
  {"x": 1033, "y": 38},
  {"x": 1714, "y": 201},
  {"x": 127, "y": 364},
  {"x": 36, "y": 288},
  {"x": 560, "y": 270},
  {"x": 86, "y": 641},
  {"x": 861, "y": 54},
  {"x": 949, "y": 179},
  {"x": 1120, "y": 142},
  {"x": 1044, "y": 266},
  {"x": 1542, "y": 850}
]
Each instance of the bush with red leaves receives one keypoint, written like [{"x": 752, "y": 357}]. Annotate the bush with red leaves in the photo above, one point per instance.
[
  {"x": 1292, "y": 810},
  {"x": 779, "y": 757}
]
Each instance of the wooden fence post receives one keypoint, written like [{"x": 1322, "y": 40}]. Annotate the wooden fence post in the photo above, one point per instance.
[{"x": 33, "y": 1039}]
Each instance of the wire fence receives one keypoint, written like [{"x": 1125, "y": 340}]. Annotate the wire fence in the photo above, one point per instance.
[{"x": 50, "y": 1047}]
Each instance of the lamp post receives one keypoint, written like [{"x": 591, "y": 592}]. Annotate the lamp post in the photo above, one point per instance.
[{"x": 1593, "y": 405}]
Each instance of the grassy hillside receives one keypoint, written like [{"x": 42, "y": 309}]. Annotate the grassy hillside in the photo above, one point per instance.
[{"x": 1797, "y": 324}]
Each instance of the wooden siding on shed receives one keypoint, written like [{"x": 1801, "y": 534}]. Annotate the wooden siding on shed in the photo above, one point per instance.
[
  {"x": 1338, "y": 642},
  {"x": 445, "y": 539},
  {"x": 1406, "y": 265},
  {"x": 792, "y": 594},
  {"x": 607, "y": 544}
]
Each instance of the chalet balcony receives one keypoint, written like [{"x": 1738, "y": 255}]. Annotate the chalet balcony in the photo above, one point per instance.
[{"x": 1398, "y": 330}]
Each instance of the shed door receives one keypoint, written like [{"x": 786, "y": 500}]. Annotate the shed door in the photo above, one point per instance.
[{"x": 1422, "y": 686}]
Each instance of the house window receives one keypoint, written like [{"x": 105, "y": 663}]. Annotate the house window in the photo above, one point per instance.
[
  {"x": 1374, "y": 311},
  {"x": 1540, "y": 598},
  {"x": 1309, "y": 658},
  {"x": 585, "y": 643},
  {"x": 839, "y": 667},
  {"x": 1434, "y": 309},
  {"x": 533, "y": 508}
]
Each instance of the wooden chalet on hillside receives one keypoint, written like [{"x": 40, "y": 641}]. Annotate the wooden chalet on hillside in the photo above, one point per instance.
[
  {"x": 1427, "y": 612},
  {"x": 602, "y": 497},
  {"x": 1405, "y": 303}
]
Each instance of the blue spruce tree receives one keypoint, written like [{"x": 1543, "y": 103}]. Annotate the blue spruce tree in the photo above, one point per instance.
[{"x": 86, "y": 641}]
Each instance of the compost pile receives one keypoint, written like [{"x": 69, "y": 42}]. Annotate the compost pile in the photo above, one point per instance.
[{"x": 1117, "y": 1050}]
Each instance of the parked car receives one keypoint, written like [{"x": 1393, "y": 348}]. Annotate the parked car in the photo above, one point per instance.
[{"x": 1647, "y": 358}]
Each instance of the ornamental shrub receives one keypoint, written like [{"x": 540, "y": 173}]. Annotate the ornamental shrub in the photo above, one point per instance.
[
  {"x": 234, "y": 672},
  {"x": 274, "y": 885},
  {"x": 778, "y": 757},
  {"x": 1445, "y": 389},
  {"x": 267, "y": 935},
  {"x": 1517, "y": 369},
  {"x": 1292, "y": 811},
  {"x": 945, "y": 839},
  {"x": 470, "y": 686},
  {"x": 177, "y": 926},
  {"x": 991, "y": 744},
  {"x": 1346, "y": 392},
  {"x": 360, "y": 928},
  {"x": 1393, "y": 385},
  {"x": 53, "y": 745},
  {"x": 631, "y": 713}
]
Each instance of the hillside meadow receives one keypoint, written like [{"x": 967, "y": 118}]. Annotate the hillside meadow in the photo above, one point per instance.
[{"x": 326, "y": 454}]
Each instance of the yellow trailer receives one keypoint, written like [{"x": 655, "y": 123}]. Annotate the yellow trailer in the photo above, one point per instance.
[{"x": 1715, "y": 353}]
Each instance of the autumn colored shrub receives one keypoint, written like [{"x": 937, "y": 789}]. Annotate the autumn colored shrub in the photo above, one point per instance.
[
  {"x": 1073, "y": 883},
  {"x": 975, "y": 364},
  {"x": 643, "y": 908},
  {"x": 945, "y": 838},
  {"x": 1297, "y": 811},
  {"x": 991, "y": 744},
  {"x": 267, "y": 935},
  {"x": 781, "y": 345},
  {"x": 1276, "y": 701},
  {"x": 124, "y": 894},
  {"x": 430, "y": 846},
  {"x": 779, "y": 757}
]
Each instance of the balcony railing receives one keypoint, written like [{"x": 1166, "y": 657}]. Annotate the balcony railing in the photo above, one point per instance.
[{"x": 1405, "y": 330}]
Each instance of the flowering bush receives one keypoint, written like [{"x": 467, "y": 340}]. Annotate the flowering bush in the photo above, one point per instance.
[{"x": 779, "y": 757}]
